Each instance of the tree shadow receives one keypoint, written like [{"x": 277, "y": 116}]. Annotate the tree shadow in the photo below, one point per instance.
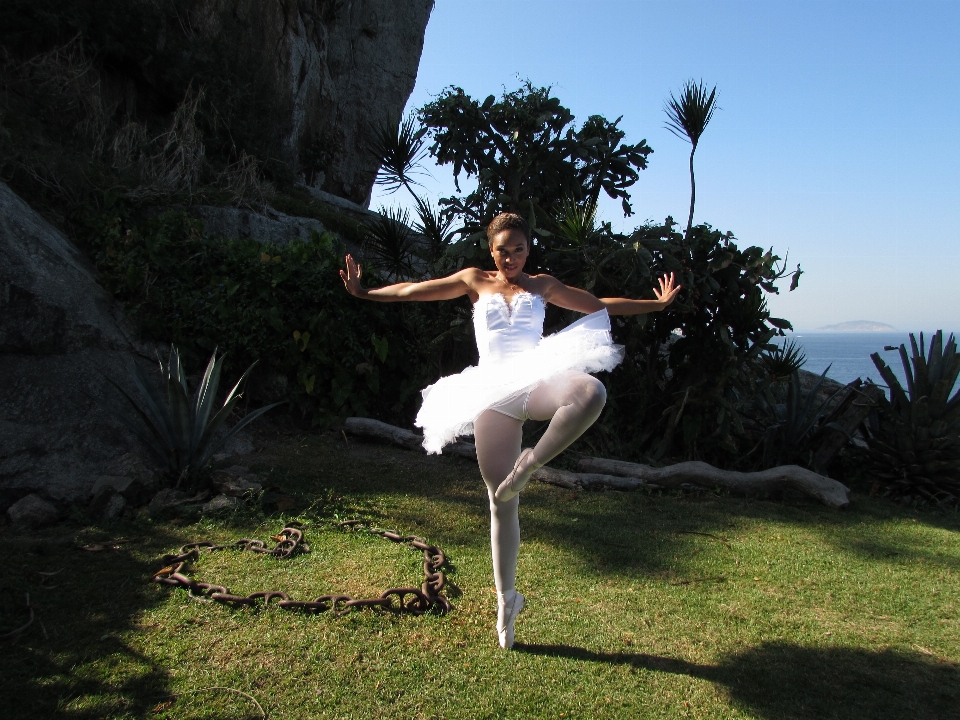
[
  {"x": 85, "y": 603},
  {"x": 638, "y": 533},
  {"x": 780, "y": 681}
]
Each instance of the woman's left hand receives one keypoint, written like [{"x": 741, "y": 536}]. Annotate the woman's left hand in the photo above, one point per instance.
[{"x": 668, "y": 290}]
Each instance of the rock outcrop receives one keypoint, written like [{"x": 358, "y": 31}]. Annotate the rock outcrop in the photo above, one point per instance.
[
  {"x": 268, "y": 227},
  {"x": 61, "y": 335},
  {"x": 340, "y": 68}
]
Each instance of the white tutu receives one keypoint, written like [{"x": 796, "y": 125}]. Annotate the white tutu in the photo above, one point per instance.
[{"x": 453, "y": 403}]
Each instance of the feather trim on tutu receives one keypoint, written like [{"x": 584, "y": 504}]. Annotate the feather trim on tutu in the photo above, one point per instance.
[{"x": 452, "y": 404}]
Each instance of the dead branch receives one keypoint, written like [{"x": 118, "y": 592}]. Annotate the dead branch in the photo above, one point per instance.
[
  {"x": 14, "y": 634},
  {"x": 367, "y": 427},
  {"x": 792, "y": 477}
]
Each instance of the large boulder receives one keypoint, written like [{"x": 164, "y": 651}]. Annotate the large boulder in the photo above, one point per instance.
[{"x": 61, "y": 336}]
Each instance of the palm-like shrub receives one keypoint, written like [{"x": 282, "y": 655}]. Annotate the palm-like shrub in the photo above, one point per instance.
[
  {"x": 687, "y": 118},
  {"x": 915, "y": 445},
  {"x": 391, "y": 245},
  {"x": 436, "y": 226},
  {"x": 181, "y": 430},
  {"x": 400, "y": 149}
]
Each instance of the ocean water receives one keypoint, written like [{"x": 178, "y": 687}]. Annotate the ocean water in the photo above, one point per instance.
[{"x": 848, "y": 354}]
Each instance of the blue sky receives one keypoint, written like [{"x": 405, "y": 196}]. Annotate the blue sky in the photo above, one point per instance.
[{"x": 838, "y": 139}]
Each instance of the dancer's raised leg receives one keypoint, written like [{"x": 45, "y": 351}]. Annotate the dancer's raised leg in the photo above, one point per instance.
[
  {"x": 574, "y": 401},
  {"x": 498, "y": 444}
]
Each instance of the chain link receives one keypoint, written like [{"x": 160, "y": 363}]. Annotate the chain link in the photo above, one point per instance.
[{"x": 289, "y": 541}]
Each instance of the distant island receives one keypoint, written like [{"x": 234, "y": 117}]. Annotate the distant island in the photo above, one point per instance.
[{"x": 863, "y": 326}]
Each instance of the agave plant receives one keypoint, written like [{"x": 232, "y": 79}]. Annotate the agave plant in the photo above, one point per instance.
[
  {"x": 783, "y": 360},
  {"x": 795, "y": 422},
  {"x": 915, "y": 443},
  {"x": 179, "y": 429}
]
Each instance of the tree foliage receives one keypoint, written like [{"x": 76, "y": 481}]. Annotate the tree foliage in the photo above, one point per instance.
[
  {"x": 526, "y": 155},
  {"x": 689, "y": 372}
]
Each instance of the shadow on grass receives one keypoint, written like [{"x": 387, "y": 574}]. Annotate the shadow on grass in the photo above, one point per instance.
[
  {"x": 73, "y": 660},
  {"x": 635, "y": 533},
  {"x": 779, "y": 681}
]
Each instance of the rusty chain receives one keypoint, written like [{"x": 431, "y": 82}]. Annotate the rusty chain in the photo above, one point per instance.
[{"x": 428, "y": 596}]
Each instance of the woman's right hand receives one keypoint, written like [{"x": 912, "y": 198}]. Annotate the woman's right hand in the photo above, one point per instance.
[{"x": 351, "y": 278}]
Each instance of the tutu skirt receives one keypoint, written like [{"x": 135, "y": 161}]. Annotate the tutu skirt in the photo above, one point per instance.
[{"x": 452, "y": 404}]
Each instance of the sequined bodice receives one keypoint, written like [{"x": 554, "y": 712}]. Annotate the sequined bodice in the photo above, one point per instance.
[{"x": 503, "y": 328}]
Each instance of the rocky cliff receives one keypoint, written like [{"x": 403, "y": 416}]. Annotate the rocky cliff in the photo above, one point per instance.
[
  {"x": 297, "y": 83},
  {"x": 338, "y": 67}
]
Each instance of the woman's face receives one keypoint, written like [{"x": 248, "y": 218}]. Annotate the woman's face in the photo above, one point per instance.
[{"x": 509, "y": 250}]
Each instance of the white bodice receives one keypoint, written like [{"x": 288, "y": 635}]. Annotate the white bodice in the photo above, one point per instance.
[{"x": 505, "y": 329}]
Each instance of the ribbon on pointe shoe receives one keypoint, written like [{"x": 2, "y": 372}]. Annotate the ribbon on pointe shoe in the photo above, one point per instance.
[{"x": 517, "y": 480}]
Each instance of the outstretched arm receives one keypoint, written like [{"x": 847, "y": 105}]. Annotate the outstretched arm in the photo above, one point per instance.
[
  {"x": 582, "y": 301},
  {"x": 446, "y": 288}
]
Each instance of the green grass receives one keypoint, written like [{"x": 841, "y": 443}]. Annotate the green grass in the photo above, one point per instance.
[{"x": 778, "y": 611}]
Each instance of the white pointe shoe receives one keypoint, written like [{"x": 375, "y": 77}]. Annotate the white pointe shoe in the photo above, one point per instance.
[
  {"x": 505, "y": 626},
  {"x": 511, "y": 486}
]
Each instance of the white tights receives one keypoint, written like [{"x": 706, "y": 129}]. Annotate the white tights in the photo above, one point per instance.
[{"x": 572, "y": 402}]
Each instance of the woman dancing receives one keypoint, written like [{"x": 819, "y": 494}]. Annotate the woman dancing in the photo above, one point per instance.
[{"x": 521, "y": 375}]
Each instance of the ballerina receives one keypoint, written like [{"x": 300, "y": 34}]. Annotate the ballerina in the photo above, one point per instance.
[{"x": 521, "y": 375}]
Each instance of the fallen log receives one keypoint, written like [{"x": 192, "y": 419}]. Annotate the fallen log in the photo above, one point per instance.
[
  {"x": 621, "y": 475},
  {"x": 368, "y": 427},
  {"x": 792, "y": 477},
  {"x": 583, "y": 481}
]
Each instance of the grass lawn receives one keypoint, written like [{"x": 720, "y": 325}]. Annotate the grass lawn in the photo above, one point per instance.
[{"x": 638, "y": 606}]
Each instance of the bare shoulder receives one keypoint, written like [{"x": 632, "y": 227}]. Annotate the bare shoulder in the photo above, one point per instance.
[
  {"x": 544, "y": 285},
  {"x": 473, "y": 277}
]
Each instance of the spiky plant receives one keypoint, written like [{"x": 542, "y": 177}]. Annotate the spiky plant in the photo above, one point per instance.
[
  {"x": 399, "y": 151},
  {"x": 783, "y": 360},
  {"x": 577, "y": 223},
  {"x": 915, "y": 444},
  {"x": 794, "y": 422},
  {"x": 390, "y": 244},
  {"x": 435, "y": 226},
  {"x": 687, "y": 118},
  {"x": 180, "y": 429}
]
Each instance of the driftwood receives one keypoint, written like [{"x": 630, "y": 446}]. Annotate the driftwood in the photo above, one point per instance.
[
  {"x": 620, "y": 475},
  {"x": 792, "y": 477},
  {"x": 367, "y": 427}
]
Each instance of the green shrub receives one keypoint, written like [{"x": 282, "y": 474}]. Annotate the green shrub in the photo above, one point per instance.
[
  {"x": 284, "y": 307},
  {"x": 689, "y": 372}
]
